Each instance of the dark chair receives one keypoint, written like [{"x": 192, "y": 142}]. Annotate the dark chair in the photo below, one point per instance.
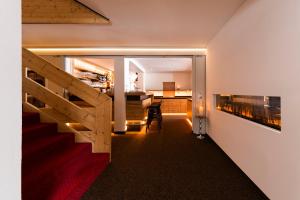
[{"x": 154, "y": 112}]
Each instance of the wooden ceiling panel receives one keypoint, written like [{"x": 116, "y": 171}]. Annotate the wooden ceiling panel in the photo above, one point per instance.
[{"x": 59, "y": 12}]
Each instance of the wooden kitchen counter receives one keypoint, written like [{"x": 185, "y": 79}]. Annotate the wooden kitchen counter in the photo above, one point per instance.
[
  {"x": 176, "y": 104},
  {"x": 136, "y": 105}
]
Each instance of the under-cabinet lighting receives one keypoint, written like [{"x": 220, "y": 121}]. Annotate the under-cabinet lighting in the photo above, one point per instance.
[
  {"x": 87, "y": 66},
  {"x": 135, "y": 122},
  {"x": 174, "y": 114},
  {"x": 189, "y": 122}
]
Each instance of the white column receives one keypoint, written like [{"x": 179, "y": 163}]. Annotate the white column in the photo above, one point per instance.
[
  {"x": 119, "y": 95},
  {"x": 10, "y": 101},
  {"x": 198, "y": 87}
]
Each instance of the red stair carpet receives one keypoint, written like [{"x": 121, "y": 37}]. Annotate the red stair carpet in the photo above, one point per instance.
[{"x": 54, "y": 167}]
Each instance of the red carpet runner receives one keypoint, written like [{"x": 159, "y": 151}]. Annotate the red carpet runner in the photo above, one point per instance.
[{"x": 53, "y": 166}]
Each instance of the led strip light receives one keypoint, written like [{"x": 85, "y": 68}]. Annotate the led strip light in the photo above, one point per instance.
[{"x": 120, "y": 51}]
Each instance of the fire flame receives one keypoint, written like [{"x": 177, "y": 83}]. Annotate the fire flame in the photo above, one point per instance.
[{"x": 247, "y": 112}]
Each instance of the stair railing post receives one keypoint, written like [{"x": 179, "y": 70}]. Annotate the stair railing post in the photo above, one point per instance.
[{"x": 103, "y": 127}]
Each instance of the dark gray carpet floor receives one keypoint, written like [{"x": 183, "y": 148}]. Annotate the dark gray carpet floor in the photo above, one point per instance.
[{"x": 171, "y": 164}]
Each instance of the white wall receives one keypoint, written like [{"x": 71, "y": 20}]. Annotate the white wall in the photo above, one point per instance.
[
  {"x": 140, "y": 84},
  {"x": 154, "y": 81},
  {"x": 258, "y": 53},
  {"x": 121, "y": 73},
  {"x": 10, "y": 101}
]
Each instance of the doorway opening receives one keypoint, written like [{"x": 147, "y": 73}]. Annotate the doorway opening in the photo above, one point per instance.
[{"x": 178, "y": 82}]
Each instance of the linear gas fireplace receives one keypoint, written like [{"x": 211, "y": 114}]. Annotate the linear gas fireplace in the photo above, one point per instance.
[{"x": 265, "y": 110}]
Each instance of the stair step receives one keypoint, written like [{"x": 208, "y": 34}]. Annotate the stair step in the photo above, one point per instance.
[
  {"x": 30, "y": 118},
  {"x": 53, "y": 166},
  {"x": 33, "y": 176},
  {"x": 45, "y": 147},
  {"x": 84, "y": 179},
  {"x": 53, "y": 161},
  {"x": 36, "y": 131},
  {"x": 70, "y": 176},
  {"x": 57, "y": 176}
]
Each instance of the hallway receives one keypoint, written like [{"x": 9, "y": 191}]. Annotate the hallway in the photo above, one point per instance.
[{"x": 171, "y": 164}]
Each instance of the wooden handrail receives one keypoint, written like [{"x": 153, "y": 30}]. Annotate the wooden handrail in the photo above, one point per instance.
[
  {"x": 97, "y": 119},
  {"x": 62, "y": 78},
  {"x": 59, "y": 103}
]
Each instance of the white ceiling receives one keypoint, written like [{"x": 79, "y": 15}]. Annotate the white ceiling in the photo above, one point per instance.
[
  {"x": 139, "y": 23},
  {"x": 149, "y": 65},
  {"x": 152, "y": 65}
]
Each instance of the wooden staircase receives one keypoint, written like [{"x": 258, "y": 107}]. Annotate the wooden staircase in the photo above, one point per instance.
[
  {"x": 53, "y": 165},
  {"x": 96, "y": 118}
]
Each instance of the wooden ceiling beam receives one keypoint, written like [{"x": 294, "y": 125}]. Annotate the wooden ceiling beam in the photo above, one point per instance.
[{"x": 59, "y": 12}]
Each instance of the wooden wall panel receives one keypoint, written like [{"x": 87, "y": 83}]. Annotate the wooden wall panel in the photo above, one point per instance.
[
  {"x": 174, "y": 106},
  {"x": 59, "y": 12}
]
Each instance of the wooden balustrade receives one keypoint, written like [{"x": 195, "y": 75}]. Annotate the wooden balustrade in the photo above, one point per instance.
[{"x": 96, "y": 118}]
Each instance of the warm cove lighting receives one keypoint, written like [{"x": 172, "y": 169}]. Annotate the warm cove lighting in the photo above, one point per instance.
[
  {"x": 174, "y": 114},
  {"x": 189, "y": 122},
  {"x": 87, "y": 66},
  {"x": 125, "y": 51}
]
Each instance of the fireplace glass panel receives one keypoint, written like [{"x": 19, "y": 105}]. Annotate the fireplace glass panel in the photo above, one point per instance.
[{"x": 265, "y": 110}]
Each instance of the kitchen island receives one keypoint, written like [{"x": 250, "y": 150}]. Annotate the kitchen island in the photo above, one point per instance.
[{"x": 136, "y": 104}]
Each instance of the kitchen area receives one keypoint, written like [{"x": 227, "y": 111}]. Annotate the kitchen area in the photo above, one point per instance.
[{"x": 168, "y": 80}]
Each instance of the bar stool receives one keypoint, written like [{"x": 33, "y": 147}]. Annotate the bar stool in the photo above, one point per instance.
[{"x": 154, "y": 112}]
